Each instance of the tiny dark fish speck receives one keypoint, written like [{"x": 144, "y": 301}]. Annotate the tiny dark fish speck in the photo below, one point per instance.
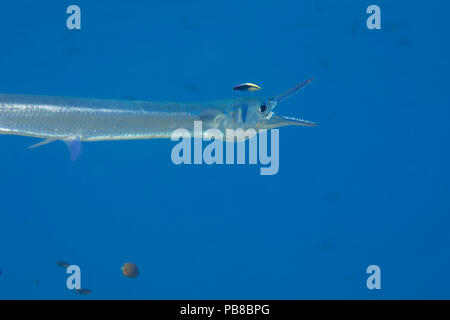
[
  {"x": 333, "y": 196},
  {"x": 71, "y": 51},
  {"x": 404, "y": 41},
  {"x": 331, "y": 116},
  {"x": 129, "y": 98},
  {"x": 191, "y": 88},
  {"x": 324, "y": 62},
  {"x": 354, "y": 27},
  {"x": 187, "y": 23},
  {"x": 62, "y": 264},
  {"x": 83, "y": 291},
  {"x": 326, "y": 246}
]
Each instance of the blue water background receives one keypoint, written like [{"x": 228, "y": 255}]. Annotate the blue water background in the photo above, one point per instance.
[{"x": 369, "y": 185}]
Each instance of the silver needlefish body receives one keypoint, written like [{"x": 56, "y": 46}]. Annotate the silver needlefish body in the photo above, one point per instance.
[{"x": 74, "y": 120}]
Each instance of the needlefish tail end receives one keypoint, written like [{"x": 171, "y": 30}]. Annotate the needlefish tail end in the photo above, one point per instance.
[{"x": 75, "y": 146}]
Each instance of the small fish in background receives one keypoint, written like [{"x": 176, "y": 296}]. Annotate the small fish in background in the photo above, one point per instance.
[
  {"x": 320, "y": 5},
  {"x": 397, "y": 27},
  {"x": 333, "y": 196},
  {"x": 187, "y": 23},
  {"x": 326, "y": 246},
  {"x": 390, "y": 26},
  {"x": 71, "y": 51},
  {"x": 249, "y": 87},
  {"x": 404, "y": 41},
  {"x": 129, "y": 98},
  {"x": 324, "y": 62},
  {"x": 0, "y": 272},
  {"x": 355, "y": 27},
  {"x": 62, "y": 264},
  {"x": 130, "y": 270},
  {"x": 331, "y": 116},
  {"x": 191, "y": 88},
  {"x": 83, "y": 291},
  {"x": 36, "y": 282}
]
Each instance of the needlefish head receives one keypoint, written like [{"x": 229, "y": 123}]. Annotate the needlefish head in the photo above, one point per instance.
[{"x": 258, "y": 113}]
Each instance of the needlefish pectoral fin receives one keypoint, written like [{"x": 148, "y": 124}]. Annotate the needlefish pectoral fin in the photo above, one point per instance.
[
  {"x": 75, "y": 148},
  {"x": 42, "y": 143}
]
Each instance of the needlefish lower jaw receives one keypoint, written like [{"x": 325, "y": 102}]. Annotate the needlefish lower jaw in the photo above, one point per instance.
[{"x": 73, "y": 120}]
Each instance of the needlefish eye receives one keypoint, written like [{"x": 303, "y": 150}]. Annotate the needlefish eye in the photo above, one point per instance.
[{"x": 262, "y": 108}]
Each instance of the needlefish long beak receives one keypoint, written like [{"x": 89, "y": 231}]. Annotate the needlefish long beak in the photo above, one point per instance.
[{"x": 276, "y": 121}]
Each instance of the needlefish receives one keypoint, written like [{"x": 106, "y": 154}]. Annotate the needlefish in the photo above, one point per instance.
[{"x": 77, "y": 120}]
